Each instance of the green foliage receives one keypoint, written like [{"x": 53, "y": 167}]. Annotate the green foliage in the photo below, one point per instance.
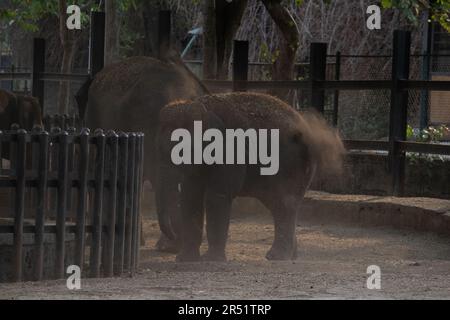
[
  {"x": 27, "y": 13},
  {"x": 425, "y": 163},
  {"x": 430, "y": 134},
  {"x": 440, "y": 10}
]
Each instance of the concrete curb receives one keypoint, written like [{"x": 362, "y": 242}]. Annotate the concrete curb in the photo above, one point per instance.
[{"x": 421, "y": 214}]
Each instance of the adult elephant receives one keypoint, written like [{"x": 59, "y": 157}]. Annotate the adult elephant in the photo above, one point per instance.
[
  {"x": 128, "y": 96},
  {"x": 305, "y": 144},
  {"x": 19, "y": 109}
]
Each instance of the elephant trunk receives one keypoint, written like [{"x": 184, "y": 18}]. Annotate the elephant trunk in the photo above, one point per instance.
[{"x": 167, "y": 203}]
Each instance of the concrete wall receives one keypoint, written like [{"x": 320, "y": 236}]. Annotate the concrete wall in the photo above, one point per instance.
[{"x": 366, "y": 173}]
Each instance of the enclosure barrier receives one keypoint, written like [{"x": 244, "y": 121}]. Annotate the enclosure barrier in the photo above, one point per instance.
[
  {"x": 399, "y": 85},
  {"x": 65, "y": 122},
  {"x": 97, "y": 180}
]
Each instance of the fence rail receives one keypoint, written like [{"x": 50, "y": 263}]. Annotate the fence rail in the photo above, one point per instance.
[
  {"x": 399, "y": 85},
  {"x": 95, "y": 181}
]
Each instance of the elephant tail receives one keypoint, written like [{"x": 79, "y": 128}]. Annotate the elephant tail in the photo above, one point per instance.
[{"x": 325, "y": 147}]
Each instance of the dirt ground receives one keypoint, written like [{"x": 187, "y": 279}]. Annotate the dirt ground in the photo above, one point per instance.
[{"x": 332, "y": 264}]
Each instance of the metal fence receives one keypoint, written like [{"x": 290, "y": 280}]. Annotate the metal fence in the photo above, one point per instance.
[
  {"x": 399, "y": 85},
  {"x": 95, "y": 181}
]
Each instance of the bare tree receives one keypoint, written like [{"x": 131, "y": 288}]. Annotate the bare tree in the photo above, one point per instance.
[
  {"x": 222, "y": 20},
  {"x": 69, "y": 39}
]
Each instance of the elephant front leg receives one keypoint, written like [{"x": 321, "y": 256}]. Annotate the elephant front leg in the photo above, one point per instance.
[
  {"x": 218, "y": 208},
  {"x": 284, "y": 214},
  {"x": 191, "y": 222}
]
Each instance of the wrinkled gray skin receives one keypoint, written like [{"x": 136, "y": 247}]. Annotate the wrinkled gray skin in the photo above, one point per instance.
[
  {"x": 306, "y": 144},
  {"x": 19, "y": 109},
  {"x": 128, "y": 96}
]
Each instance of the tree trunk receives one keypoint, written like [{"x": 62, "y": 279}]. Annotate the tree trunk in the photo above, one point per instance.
[
  {"x": 221, "y": 22},
  {"x": 284, "y": 65},
  {"x": 209, "y": 40},
  {"x": 68, "y": 46},
  {"x": 112, "y": 30},
  {"x": 228, "y": 20}
]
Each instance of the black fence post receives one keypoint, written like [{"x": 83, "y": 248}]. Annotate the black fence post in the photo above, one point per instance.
[
  {"x": 164, "y": 31},
  {"x": 41, "y": 204},
  {"x": 63, "y": 188},
  {"x": 37, "y": 89},
  {"x": 399, "y": 109},
  {"x": 121, "y": 204},
  {"x": 80, "y": 233},
  {"x": 240, "y": 65},
  {"x": 113, "y": 144},
  {"x": 97, "y": 215},
  {"x": 19, "y": 205},
  {"x": 97, "y": 43},
  {"x": 318, "y": 68},
  {"x": 337, "y": 77},
  {"x": 130, "y": 202}
]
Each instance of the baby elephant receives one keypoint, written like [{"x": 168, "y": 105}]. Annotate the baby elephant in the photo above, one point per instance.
[{"x": 215, "y": 148}]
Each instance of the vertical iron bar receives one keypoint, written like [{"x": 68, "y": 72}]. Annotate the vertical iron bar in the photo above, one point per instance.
[
  {"x": 98, "y": 204},
  {"x": 63, "y": 178},
  {"x": 140, "y": 189},
  {"x": 240, "y": 65},
  {"x": 19, "y": 204},
  {"x": 80, "y": 235},
  {"x": 134, "y": 235},
  {"x": 337, "y": 76},
  {"x": 164, "y": 33},
  {"x": 41, "y": 204},
  {"x": 113, "y": 161},
  {"x": 399, "y": 109},
  {"x": 318, "y": 68},
  {"x": 97, "y": 43},
  {"x": 37, "y": 89},
  {"x": 130, "y": 199},
  {"x": 122, "y": 205}
]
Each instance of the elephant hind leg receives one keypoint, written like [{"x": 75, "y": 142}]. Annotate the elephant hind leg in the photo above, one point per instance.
[
  {"x": 192, "y": 217},
  {"x": 284, "y": 211},
  {"x": 218, "y": 208}
]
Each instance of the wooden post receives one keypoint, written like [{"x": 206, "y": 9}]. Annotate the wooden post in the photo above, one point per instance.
[
  {"x": 97, "y": 43},
  {"x": 37, "y": 89},
  {"x": 164, "y": 31},
  {"x": 337, "y": 77},
  {"x": 399, "y": 108},
  {"x": 318, "y": 68},
  {"x": 240, "y": 65}
]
